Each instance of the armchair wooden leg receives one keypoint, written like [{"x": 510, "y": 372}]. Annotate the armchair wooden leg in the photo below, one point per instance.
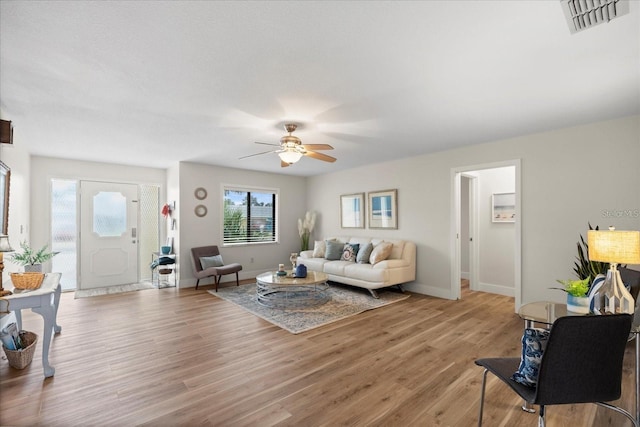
[
  {"x": 197, "y": 283},
  {"x": 217, "y": 282},
  {"x": 237, "y": 280}
]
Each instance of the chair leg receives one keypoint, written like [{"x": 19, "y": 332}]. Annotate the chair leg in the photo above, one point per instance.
[
  {"x": 197, "y": 283},
  {"x": 541, "y": 418},
  {"x": 619, "y": 410},
  {"x": 237, "y": 279},
  {"x": 217, "y": 281},
  {"x": 484, "y": 382}
]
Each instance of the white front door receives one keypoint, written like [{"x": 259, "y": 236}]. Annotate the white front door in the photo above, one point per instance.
[{"x": 108, "y": 234}]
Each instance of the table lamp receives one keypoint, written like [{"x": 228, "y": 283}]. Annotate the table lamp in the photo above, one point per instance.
[
  {"x": 4, "y": 247},
  {"x": 614, "y": 247}
]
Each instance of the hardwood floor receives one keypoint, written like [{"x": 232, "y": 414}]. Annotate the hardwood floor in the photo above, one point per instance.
[{"x": 183, "y": 357}]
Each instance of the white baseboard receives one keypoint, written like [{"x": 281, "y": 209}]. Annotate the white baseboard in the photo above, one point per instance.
[
  {"x": 464, "y": 275},
  {"x": 496, "y": 289},
  {"x": 429, "y": 290}
]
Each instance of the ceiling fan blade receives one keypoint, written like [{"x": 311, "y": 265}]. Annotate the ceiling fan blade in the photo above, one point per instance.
[
  {"x": 317, "y": 147},
  {"x": 320, "y": 156},
  {"x": 257, "y": 154},
  {"x": 267, "y": 143},
  {"x": 283, "y": 164}
]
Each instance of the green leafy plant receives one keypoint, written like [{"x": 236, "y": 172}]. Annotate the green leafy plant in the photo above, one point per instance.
[
  {"x": 30, "y": 256},
  {"x": 576, "y": 288},
  {"x": 583, "y": 267}
]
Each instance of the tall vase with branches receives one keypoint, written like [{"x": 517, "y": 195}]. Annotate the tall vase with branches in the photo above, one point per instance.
[{"x": 305, "y": 227}]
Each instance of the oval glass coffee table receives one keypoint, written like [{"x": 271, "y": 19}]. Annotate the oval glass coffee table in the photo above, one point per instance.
[{"x": 292, "y": 292}]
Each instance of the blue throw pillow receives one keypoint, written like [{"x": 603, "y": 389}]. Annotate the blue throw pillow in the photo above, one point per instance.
[
  {"x": 333, "y": 251},
  {"x": 364, "y": 253},
  {"x": 211, "y": 261},
  {"x": 534, "y": 341}
]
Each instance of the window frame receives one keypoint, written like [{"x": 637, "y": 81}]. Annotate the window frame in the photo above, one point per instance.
[{"x": 250, "y": 189}]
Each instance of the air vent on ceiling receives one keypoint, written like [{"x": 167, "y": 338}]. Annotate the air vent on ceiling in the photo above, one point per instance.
[{"x": 583, "y": 14}]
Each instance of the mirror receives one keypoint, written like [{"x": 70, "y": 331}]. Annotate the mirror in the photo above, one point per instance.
[{"x": 5, "y": 176}]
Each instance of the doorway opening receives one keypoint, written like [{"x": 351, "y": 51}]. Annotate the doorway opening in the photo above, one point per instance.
[
  {"x": 486, "y": 249},
  {"x": 66, "y": 223}
]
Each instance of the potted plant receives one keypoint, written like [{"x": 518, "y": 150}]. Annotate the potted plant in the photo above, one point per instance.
[
  {"x": 577, "y": 291},
  {"x": 30, "y": 259}
]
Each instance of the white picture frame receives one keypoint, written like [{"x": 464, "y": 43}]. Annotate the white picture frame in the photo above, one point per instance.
[
  {"x": 352, "y": 210},
  {"x": 503, "y": 207},
  {"x": 383, "y": 209}
]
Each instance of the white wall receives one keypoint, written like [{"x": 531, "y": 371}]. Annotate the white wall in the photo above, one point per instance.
[
  {"x": 19, "y": 161},
  {"x": 202, "y": 231},
  {"x": 570, "y": 177},
  {"x": 495, "y": 240}
]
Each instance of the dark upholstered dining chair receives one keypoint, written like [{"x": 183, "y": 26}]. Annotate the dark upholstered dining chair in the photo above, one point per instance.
[
  {"x": 582, "y": 363},
  {"x": 216, "y": 269}
]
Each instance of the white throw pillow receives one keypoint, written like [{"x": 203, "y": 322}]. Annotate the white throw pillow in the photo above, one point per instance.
[
  {"x": 380, "y": 252},
  {"x": 319, "y": 246}
]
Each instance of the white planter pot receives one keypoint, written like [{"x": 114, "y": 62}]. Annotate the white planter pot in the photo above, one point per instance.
[
  {"x": 35, "y": 268},
  {"x": 578, "y": 305}
]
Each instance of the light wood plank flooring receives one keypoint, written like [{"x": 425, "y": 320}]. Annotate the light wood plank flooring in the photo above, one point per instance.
[{"x": 183, "y": 357}]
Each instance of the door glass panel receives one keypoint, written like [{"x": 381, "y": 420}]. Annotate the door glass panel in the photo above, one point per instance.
[
  {"x": 148, "y": 239},
  {"x": 109, "y": 214},
  {"x": 64, "y": 231}
]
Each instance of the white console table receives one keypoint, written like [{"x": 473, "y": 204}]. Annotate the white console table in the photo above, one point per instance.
[{"x": 44, "y": 301}]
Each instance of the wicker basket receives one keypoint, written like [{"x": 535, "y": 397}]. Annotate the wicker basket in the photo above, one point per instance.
[
  {"x": 27, "y": 280},
  {"x": 20, "y": 359}
]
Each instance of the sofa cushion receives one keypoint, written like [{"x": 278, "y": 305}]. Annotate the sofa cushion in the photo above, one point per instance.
[
  {"x": 319, "y": 247},
  {"x": 364, "y": 253},
  {"x": 366, "y": 272},
  {"x": 314, "y": 264},
  {"x": 380, "y": 252},
  {"x": 333, "y": 250},
  {"x": 337, "y": 268},
  {"x": 349, "y": 252}
]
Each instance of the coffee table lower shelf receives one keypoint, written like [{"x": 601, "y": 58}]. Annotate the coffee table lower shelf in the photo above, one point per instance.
[{"x": 285, "y": 292}]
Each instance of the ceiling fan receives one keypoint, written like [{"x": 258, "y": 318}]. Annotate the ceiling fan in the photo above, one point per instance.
[{"x": 291, "y": 149}]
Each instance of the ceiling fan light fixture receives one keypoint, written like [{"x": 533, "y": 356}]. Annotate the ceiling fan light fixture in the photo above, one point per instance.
[{"x": 290, "y": 156}]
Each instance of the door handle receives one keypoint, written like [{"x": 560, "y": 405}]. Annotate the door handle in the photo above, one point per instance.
[{"x": 133, "y": 232}]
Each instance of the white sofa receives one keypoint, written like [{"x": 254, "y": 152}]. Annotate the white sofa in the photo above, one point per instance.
[{"x": 398, "y": 268}]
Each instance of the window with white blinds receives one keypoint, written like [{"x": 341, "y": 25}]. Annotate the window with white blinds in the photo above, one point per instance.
[{"x": 249, "y": 215}]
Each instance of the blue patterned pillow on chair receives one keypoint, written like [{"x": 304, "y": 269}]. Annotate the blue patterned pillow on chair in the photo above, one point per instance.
[{"x": 534, "y": 341}]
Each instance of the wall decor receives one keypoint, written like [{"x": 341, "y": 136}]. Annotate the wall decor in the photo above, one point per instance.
[
  {"x": 503, "y": 207},
  {"x": 200, "y": 193},
  {"x": 200, "y": 210},
  {"x": 352, "y": 210},
  {"x": 383, "y": 209},
  {"x": 5, "y": 178}
]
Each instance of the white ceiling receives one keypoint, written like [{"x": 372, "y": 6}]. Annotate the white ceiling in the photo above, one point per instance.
[{"x": 151, "y": 83}]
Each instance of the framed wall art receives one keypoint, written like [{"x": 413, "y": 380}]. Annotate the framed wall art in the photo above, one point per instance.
[
  {"x": 383, "y": 209},
  {"x": 352, "y": 210},
  {"x": 5, "y": 177},
  {"x": 503, "y": 207}
]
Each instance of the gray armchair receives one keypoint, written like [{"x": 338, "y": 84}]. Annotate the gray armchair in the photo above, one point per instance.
[{"x": 211, "y": 271}]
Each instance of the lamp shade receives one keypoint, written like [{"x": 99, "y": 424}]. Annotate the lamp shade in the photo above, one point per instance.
[
  {"x": 613, "y": 246},
  {"x": 290, "y": 156},
  {"x": 4, "y": 243}
]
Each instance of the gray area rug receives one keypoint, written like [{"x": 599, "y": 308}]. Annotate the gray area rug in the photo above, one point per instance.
[
  {"x": 117, "y": 289},
  {"x": 345, "y": 302}
]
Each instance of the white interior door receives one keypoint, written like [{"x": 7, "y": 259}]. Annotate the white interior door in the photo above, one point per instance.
[{"x": 108, "y": 234}]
